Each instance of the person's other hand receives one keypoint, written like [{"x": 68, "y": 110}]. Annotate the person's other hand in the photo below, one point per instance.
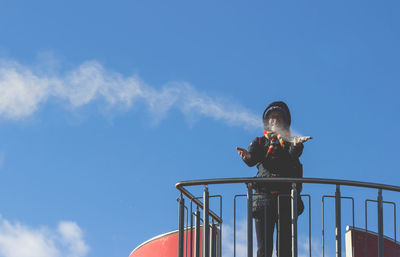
[
  {"x": 243, "y": 153},
  {"x": 298, "y": 140}
]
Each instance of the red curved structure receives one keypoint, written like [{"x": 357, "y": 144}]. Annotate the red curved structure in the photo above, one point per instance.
[
  {"x": 360, "y": 243},
  {"x": 165, "y": 245}
]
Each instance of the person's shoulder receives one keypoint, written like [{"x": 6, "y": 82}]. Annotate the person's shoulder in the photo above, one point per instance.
[{"x": 258, "y": 141}]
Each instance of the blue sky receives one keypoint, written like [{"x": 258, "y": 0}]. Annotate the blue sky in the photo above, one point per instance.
[{"x": 104, "y": 106}]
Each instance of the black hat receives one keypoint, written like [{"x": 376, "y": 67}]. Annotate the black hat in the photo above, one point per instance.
[{"x": 281, "y": 106}]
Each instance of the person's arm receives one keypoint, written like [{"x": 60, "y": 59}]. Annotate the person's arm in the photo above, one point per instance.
[
  {"x": 295, "y": 151},
  {"x": 251, "y": 156},
  {"x": 296, "y": 146}
]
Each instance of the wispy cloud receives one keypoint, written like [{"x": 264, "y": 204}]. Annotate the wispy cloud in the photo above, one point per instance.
[
  {"x": 18, "y": 240},
  {"x": 24, "y": 89}
]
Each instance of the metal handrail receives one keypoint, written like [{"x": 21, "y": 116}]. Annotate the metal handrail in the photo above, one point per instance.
[{"x": 246, "y": 180}]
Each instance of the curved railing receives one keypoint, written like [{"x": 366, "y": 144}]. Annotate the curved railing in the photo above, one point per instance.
[{"x": 210, "y": 248}]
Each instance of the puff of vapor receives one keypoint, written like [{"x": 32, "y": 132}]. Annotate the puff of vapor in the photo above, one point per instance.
[{"x": 23, "y": 89}]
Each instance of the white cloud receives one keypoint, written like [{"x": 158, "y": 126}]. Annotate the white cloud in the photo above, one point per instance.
[
  {"x": 24, "y": 89},
  {"x": 18, "y": 240},
  {"x": 72, "y": 237}
]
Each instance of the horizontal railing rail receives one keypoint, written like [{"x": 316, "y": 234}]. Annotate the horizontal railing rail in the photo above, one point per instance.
[{"x": 246, "y": 180}]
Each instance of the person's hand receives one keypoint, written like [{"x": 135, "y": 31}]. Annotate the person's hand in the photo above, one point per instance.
[
  {"x": 298, "y": 140},
  {"x": 243, "y": 153}
]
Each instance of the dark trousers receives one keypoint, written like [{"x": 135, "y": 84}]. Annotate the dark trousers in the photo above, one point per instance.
[{"x": 265, "y": 234}]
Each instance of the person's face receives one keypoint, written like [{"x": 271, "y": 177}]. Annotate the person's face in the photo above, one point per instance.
[{"x": 276, "y": 122}]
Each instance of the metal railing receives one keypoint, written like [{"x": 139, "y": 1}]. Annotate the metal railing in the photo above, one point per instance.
[{"x": 215, "y": 242}]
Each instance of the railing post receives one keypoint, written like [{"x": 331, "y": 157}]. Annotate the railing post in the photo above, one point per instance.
[
  {"x": 181, "y": 225},
  {"x": 191, "y": 230},
  {"x": 338, "y": 222},
  {"x": 323, "y": 227},
  {"x": 294, "y": 219},
  {"x": 266, "y": 228},
  {"x": 197, "y": 233},
  {"x": 249, "y": 221},
  {"x": 380, "y": 224},
  {"x": 213, "y": 240},
  {"x": 206, "y": 223}
]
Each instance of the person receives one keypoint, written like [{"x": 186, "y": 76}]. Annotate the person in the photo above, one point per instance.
[{"x": 276, "y": 154}]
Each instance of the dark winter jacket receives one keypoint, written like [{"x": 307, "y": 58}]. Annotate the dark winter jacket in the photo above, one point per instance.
[{"x": 284, "y": 163}]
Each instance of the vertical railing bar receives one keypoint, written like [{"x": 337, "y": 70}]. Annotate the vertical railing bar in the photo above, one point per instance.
[
  {"x": 191, "y": 228},
  {"x": 366, "y": 228},
  {"x": 206, "y": 224},
  {"x": 212, "y": 239},
  {"x": 249, "y": 220},
  {"x": 338, "y": 222},
  {"x": 294, "y": 219},
  {"x": 185, "y": 234},
  {"x": 352, "y": 202},
  {"x": 220, "y": 228},
  {"x": 234, "y": 223},
  {"x": 234, "y": 226},
  {"x": 380, "y": 224},
  {"x": 181, "y": 225},
  {"x": 395, "y": 223},
  {"x": 197, "y": 233},
  {"x": 216, "y": 239},
  {"x": 323, "y": 227},
  {"x": 265, "y": 229},
  {"x": 309, "y": 221}
]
